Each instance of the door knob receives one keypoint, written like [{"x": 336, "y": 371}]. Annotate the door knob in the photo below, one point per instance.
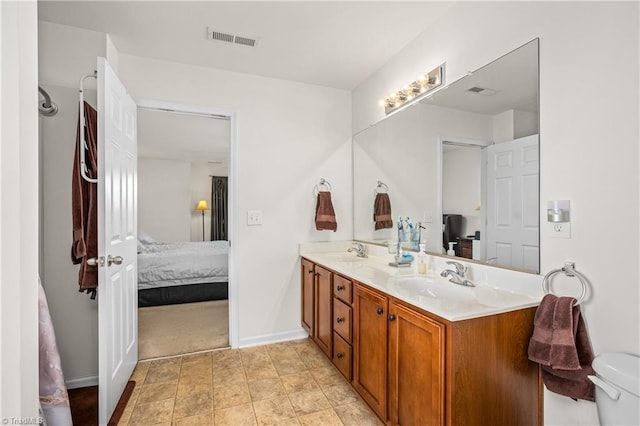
[
  {"x": 95, "y": 261},
  {"x": 114, "y": 260}
]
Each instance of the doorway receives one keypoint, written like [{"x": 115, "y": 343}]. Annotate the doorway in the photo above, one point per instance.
[{"x": 183, "y": 259}]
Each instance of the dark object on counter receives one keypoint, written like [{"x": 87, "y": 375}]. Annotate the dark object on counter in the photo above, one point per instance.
[{"x": 451, "y": 230}]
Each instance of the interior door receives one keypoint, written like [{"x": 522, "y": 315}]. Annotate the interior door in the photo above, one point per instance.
[
  {"x": 117, "y": 246},
  {"x": 513, "y": 170}
]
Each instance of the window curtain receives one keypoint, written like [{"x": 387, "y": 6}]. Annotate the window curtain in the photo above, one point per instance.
[{"x": 219, "y": 199}]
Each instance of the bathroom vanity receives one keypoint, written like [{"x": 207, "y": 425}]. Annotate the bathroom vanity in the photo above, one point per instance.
[{"x": 419, "y": 350}]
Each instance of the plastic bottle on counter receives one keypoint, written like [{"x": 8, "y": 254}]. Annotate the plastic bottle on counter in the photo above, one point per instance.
[
  {"x": 422, "y": 260},
  {"x": 451, "y": 251}
]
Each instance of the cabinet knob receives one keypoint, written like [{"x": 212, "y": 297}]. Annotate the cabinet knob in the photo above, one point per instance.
[
  {"x": 339, "y": 355},
  {"x": 339, "y": 320},
  {"x": 315, "y": 274},
  {"x": 392, "y": 317},
  {"x": 340, "y": 288},
  {"x": 379, "y": 310},
  {"x": 310, "y": 272}
]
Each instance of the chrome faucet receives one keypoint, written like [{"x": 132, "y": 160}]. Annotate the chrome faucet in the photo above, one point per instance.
[
  {"x": 360, "y": 249},
  {"x": 457, "y": 276}
]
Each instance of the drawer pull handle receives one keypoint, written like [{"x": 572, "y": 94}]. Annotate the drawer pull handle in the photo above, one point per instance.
[
  {"x": 379, "y": 310},
  {"x": 392, "y": 317},
  {"x": 339, "y": 320},
  {"x": 340, "y": 288},
  {"x": 339, "y": 355}
]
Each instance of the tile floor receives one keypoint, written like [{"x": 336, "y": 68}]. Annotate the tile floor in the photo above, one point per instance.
[{"x": 289, "y": 383}]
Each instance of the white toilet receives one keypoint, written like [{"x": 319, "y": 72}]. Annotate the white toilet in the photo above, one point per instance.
[{"x": 617, "y": 383}]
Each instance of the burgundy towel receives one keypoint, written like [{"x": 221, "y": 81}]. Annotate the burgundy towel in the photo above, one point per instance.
[
  {"x": 560, "y": 344},
  {"x": 325, "y": 216},
  {"x": 84, "y": 205},
  {"x": 382, "y": 211}
]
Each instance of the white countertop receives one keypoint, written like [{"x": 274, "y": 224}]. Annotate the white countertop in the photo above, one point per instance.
[{"x": 496, "y": 291}]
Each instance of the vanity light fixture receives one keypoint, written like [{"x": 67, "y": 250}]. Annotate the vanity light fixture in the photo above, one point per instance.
[{"x": 417, "y": 89}]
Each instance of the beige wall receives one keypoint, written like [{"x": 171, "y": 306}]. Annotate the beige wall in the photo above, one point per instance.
[
  {"x": 284, "y": 146},
  {"x": 588, "y": 141},
  {"x": 164, "y": 206}
]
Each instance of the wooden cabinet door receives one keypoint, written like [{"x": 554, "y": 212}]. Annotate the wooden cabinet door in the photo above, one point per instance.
[
  {"x": 370, "y": 347},
  {"x": 416, "y": 368},
  {"x": 307, "y": 280},
  {"x": 323, "y": 326}
]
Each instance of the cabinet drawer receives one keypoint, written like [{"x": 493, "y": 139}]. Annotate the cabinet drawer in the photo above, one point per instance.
[
  {"x": 342, "y": 288},
  {"x": 342, "y": 319},
  {"x": 342, "y": 356}
]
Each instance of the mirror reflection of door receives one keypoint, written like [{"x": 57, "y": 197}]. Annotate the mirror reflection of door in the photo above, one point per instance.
[
  {"x": 182, "y": 249},
  {"x": 490, "y": 201}
]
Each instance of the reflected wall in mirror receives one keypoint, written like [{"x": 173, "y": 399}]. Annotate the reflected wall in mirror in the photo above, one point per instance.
[{"x": 464, "y": 163}]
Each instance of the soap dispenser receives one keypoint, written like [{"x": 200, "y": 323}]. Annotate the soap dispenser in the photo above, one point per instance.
[
  {"x": 422, "y": 260},
  {"x": 451, "y": 251}
]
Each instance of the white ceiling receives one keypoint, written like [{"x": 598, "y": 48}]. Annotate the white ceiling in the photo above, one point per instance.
[
  {"x": 514, "y": 78},
  {"x": 328, "y": 43}
]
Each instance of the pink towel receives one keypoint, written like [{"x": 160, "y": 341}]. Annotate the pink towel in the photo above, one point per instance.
[{"x": 560, "y": 344}]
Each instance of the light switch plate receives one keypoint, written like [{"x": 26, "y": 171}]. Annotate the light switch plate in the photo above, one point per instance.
[
  {"x": 254, "y": 217},
  {"x": 427, "y": 216}
]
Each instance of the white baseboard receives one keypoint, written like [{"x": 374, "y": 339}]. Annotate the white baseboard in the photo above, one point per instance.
[
  {"x": 82, "y": 382},
  {"x": 265, "y": 339}
]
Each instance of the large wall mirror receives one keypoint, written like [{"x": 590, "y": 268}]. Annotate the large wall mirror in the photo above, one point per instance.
[{"x": 462, "y": 164}]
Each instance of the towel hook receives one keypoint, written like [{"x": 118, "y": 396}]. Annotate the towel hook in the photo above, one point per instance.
[
  {"x": 318, "y": 186},
  {"x": 383, "y": 186},
  {"x": 569, "y": 269},
  {"x": 82, "y": 146}
]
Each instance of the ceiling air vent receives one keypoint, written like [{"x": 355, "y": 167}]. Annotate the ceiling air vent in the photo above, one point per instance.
[
  {"x": 231, "y": 38},
  {"x": 482, "y": 91}
]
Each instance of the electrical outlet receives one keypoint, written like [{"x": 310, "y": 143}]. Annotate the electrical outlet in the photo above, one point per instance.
[
  {"x": 254, "y": 217},
  {"x": 427, "y": 216},
  {"x": 560, "y": 229}
]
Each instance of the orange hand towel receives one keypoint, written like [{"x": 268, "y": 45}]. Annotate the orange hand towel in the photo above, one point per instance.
[
  {"x": 325, "y": 216},
  {"x": 382, "y": 211}
]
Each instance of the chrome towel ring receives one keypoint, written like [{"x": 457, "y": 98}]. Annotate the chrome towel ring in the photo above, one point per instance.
[
  {"x": 569, "y": 270},
  {"x": 323, "y": 183},
  {"x": 382, "y": 188}
]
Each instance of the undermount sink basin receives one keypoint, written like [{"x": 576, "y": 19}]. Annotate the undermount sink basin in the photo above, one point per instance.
[{"x": 435, "y": 288}]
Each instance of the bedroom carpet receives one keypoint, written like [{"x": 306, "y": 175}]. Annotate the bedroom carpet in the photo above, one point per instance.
[{"x": 182, "y": 329}]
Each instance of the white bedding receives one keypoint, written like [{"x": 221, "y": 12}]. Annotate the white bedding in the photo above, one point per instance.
[{"x": 171, "y": 264}]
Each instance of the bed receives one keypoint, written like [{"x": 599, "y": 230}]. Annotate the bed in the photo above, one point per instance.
[{"x": 185, "y": 272}]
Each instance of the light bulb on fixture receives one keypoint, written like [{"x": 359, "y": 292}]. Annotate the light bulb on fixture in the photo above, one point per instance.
[{"x": 423, "y": 84}]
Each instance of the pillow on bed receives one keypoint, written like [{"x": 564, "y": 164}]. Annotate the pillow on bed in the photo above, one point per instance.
[{"x": 145, "y": 238}]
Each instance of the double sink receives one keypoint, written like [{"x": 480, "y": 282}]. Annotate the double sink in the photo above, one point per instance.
[{"x": 431, "y": 291}]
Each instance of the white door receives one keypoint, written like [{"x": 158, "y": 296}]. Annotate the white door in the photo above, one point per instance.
[
  {"x": 512, "y": 203},
  {"x": 117, "y": 223}
]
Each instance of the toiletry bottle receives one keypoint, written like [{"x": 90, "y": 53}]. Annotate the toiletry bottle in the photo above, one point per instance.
[
  {"x": 422, "y": 260},
  {"x": 451, "y": 251}
]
